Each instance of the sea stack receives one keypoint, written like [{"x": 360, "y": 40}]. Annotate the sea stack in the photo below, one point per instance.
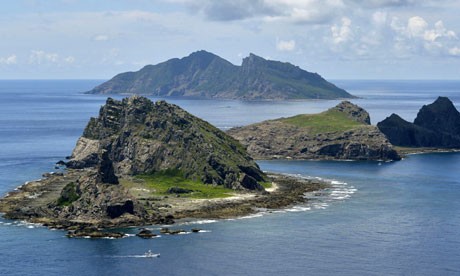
[{"x": 436, "y": 125}]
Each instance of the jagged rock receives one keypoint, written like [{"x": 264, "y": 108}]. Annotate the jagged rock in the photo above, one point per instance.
[
  {"x": 353, "y": 112},
  {"x": 94, "y": 234},
  {"x": 343, "y": 132},
  {"x": 440, "y": 116},
  {"x": 105, "y": 170},
  {"x": 436, "y": 125},
  {"x": 138, "y": 136},
  {"x": 146, "y": 234},
  {"x": 204, "y": 74}
]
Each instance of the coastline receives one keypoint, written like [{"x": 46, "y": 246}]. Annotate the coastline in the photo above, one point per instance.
[
  {"x": 404, "y": 151},
  {"x": 28, "y": 203}
]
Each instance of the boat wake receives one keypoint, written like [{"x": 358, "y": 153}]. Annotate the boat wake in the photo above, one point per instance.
[{"x": 148, "y": 254}]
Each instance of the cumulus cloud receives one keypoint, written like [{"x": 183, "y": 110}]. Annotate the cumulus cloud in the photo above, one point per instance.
[
  {"x": 285, "y": 45},
  {"x": 416, "y": 26},
  {"x": 419, "y": 35},
  {"x": 9, "y": 60},
  {"x": 342, "y": 33},
  {"x": 39, "y": 57}
]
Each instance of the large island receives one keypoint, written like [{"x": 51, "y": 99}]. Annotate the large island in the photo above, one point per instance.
[
  {"x": 143, "y": 163},
  {"x": 205, "y": 75}
]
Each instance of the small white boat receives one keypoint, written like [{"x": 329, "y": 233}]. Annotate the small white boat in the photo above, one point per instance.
[{"x": 150, "y": 254}]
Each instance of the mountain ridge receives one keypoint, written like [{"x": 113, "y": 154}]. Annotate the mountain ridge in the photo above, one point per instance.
[{"x": 206, "y": 75}]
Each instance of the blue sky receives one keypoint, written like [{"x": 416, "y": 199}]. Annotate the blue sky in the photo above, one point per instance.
[{"x": 339, "y": 39}]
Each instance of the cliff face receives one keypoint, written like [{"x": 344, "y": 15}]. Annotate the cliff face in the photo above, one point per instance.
[
  {"x": 142, "y": 137},
  {"x": 343, "y": 132},
  {"x": 436, "y": 125},
  {"x": 203, "y": 74}
]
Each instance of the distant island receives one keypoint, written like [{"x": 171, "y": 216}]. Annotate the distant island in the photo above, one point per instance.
[
  {"x": 206, "y": 75},
  {"x": 340, "y": 133}
]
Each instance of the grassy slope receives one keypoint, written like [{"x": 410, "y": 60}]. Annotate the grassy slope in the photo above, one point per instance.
[
  {"x": 158, "y": 183},
  {"x": 325, "y": 122}
]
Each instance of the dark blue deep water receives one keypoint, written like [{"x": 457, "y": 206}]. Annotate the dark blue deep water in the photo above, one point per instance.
[{"x": 400, "y": 218}]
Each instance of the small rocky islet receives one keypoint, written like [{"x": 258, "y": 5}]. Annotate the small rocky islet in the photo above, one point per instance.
[
  {"x": 437, "y": 125},
  {"x": 142, "y": 163},
  {"x": 343, "y": 132}
]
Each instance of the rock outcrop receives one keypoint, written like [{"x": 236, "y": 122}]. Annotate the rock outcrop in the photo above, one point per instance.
[
  {"x": 436, "y": 125},
  {"x": 203, "y": 74},
  {"x": 342, "y": 132},
  {"x": 138, "y": 136}
]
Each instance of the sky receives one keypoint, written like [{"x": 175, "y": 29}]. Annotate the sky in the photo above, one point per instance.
[{"x": 339, "y": 39}]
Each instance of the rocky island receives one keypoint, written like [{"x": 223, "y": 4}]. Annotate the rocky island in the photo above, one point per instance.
[
  {"x": 437, "y": 126},
  {"x": 205, "y": 75},
  {"x": 340, "y": 133},
  {"x": 142, "y": 163}
]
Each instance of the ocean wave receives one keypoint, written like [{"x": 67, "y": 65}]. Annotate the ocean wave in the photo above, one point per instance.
[
  {"x": 204, "y": 221},
  {"x": 256, "y": 215}
]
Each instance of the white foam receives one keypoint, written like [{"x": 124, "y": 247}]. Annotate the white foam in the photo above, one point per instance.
[
  {"x": 257, "y": 215},
  {"x": 298, "y": 209},
  {"x": 204, "y": 221},
  {"x": 204, "y": 231}
]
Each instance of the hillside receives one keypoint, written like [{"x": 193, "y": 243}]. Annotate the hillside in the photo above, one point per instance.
[
  {"x": 342, "y": 132},
  {"x": 205, "y": 75}
]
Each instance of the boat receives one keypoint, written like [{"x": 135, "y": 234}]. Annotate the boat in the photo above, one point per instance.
[{"x": 150, "y": 254}]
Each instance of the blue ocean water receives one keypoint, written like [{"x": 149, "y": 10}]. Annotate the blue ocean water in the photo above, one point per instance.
[{"x": 399, "y": 218}]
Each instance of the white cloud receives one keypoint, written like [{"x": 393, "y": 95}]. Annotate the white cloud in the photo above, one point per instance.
[
  {"x": 69, "y": 59},
  {"x": 379, "y": 18},
  {"x": 438, "y": 32},
  {"x": 101, "y": 37},
  {"x": 342, "y": 33},
  {"x": 416, "y": 26},
  {"x": 455, "y": 51},
  {"x": 40, "y": 57},
  {"x": 9, "y": 60},
  {"x": 297, "y": 11},
  {"x": 285, "y": 45}
]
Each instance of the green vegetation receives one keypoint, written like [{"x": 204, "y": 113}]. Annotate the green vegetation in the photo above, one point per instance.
[
  {"x": 325, "y": 122},
  {"x": 68, "y": 195},
  {"x": 160, "y": 182},
  {"x": 266, "y": 185},
  {"x": 204, "y": 74}
]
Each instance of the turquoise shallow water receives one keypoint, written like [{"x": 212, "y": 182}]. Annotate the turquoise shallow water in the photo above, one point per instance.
[{"x": 398, "y": 218}]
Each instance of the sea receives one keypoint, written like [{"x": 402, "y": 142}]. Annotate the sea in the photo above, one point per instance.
[{"x": 378, "y": 218}]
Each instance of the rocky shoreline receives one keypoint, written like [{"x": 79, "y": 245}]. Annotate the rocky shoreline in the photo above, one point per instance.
[{"x": 29, "y": 201}]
